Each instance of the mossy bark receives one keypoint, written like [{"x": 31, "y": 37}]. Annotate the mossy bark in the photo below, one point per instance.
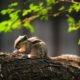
[{"x": 19, "y": 67}]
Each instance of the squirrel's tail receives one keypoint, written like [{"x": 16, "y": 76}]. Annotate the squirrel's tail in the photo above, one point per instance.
[{"x": 72, "y": 60}]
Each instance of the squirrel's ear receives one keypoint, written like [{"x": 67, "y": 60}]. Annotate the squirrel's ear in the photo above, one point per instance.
[
  {"x": 35, "y": 41},
  {"x": 25, "y": 36}
]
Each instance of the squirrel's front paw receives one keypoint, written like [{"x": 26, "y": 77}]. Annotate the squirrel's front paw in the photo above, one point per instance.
[
  {"x": 14, "y": 51},
  {"x": 17, "y": 51}
]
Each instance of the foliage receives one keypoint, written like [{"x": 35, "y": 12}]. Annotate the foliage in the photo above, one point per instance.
[{"x": 38, "y": 11}]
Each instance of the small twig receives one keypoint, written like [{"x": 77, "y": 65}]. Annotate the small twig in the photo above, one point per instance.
[
  {"x": 72, "y": 1},
  {"x": 27, "y": 1}
]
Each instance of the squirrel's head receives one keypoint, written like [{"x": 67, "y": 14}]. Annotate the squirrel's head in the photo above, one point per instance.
[{"x": 19, "y": 40}]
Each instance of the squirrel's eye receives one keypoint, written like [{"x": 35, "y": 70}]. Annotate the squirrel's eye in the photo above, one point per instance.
[{"x": 20, "y": 41}]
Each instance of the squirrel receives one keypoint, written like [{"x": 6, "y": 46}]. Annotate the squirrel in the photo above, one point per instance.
[
  {"x": 36, "y": 47},
  {"x": 32, "y": 46}
]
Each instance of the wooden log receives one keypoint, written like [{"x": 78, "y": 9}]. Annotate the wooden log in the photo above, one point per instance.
[{"x": 19, "y": 67}]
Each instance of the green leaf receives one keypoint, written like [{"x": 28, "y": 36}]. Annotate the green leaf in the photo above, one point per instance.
[
  {"x": 42, "y": 17},
  {"x": 9, "y": 10},
  {"x": 54, "y": 15},
  {"x": 25, "y": 12},
  {"x": 14, "y": 4},
  {"x": 9, "y": 23},
  {"x": 46, "y": 17},
  {"x": 3, "y": 23},
  {"x": 49, "y": 8},
  {"x": 71, "y": 23},
  {"x": 16, "y": 24},
  {"x": 7, "y": 29},
  {"x": 44, "y": 11},
  {"x": 70, "y": 29},
  {"x": 49, "y": 2},
  {"x": 60, "y": 9},
  {"x": 53, "y": 1},
  {"x": 77, "y": 27},
  {"x": 14, "y": 16},
  {"x": 28, "y": 26},
  {"x": 31, "y": 5},
  {"x": 31, "y": 28},
  {"x": 41, "y": 4},
  {"x": 37, "y": 15},
  {"x": 35, "y": 8},
  {"x": 70, "y": 19},
  {"x": 5, "y": 26},
  {"x": 79, "y": 42},
  {"x": 69, "y": 10},
  {"x": 3, "y": 12},
  {"x": 77, "y": 8},
  {"x": 2, "y": 29},
  {"x": 11, "y": 15}
]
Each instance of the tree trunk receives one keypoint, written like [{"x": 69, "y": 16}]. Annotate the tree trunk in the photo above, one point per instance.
[{"x": 19, "y": 67}]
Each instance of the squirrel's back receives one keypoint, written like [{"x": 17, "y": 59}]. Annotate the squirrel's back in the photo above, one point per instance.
[{"x": 39, "y": 48}]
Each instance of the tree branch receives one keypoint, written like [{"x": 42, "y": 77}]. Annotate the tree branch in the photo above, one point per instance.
[
  {"x": 19, "y": 67},
  {"x": 71, "y": 1}
]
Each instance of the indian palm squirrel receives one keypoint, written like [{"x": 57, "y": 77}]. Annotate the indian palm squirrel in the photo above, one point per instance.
[{"x": 36, "y": 47}]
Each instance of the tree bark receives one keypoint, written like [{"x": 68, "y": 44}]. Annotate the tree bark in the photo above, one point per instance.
[{"x": 19, "y": 67}]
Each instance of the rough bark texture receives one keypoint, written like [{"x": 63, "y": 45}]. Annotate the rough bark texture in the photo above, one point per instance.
[{"x": 19, "y": 67}]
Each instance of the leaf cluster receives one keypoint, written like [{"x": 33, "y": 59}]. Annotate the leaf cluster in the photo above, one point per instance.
[{"x": 37, "y": 11}]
